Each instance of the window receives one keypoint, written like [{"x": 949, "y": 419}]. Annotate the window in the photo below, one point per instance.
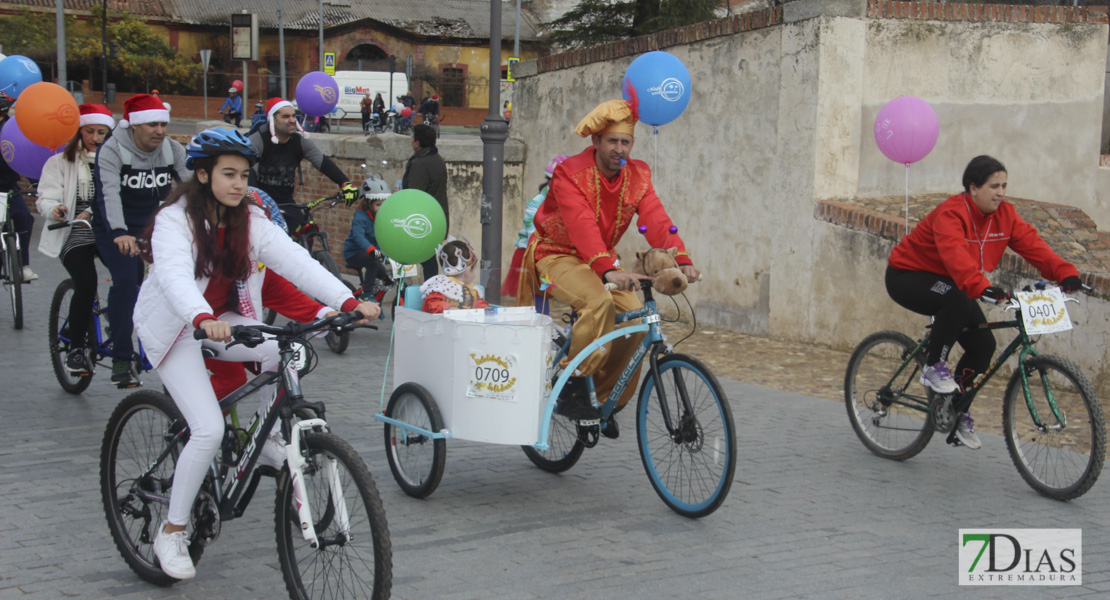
[{"x": 453, "y": 87}]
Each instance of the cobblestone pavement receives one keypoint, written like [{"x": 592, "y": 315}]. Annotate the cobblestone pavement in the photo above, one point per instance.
[{"x": 811, "y": 514}]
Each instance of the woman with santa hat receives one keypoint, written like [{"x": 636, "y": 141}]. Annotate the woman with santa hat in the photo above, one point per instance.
[{"x": 66, "y": 192}]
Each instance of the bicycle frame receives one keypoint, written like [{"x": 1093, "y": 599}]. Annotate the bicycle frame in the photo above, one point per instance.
[
  {"x": 960, "y": 404},
  {"x": 104, "y": 344}
]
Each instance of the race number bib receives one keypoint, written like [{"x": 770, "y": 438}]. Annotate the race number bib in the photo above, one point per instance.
[
  {"x": 1043, "y": 311},
  {"x": 492, "y": 376}
]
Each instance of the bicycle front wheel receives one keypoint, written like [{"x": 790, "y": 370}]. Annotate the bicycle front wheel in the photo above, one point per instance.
[
  {"x": 60, "y": 342},
  {"x": 890, "y": 420},
  {"x": 136, "y": 498},
  {"x": 15, "y": 279},
  {"x": 354, "y": 558},
  {"x": 337, "y": 343},
  {"x": 690, "y": 463},
  {"x": 564, "y": 447},
  {"x": 1054, "y": 428}
]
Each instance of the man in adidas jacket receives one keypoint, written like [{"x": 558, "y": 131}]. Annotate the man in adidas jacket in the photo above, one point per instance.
[{"x": 134, "y": 172}]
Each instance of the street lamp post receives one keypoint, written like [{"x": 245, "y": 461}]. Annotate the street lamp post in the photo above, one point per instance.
[{"x": 494, "y": 133}]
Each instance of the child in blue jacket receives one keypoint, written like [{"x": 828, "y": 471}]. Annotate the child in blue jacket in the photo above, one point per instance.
[{"x": 360, "y": 249}]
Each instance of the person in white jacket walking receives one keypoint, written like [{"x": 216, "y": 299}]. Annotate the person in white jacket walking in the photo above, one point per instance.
[
  {"x": 66, "y": 192},
  {"x": 205, "y": 246}
]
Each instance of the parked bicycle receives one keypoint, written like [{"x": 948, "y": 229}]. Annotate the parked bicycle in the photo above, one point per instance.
[
  {"x": 1051, "y": 419},
  {"x": 98, "y": 339},
  {"x": 332, "y": 536},
  {"x": 11, "y": 262},
  {"x": 309, "y": 235}
]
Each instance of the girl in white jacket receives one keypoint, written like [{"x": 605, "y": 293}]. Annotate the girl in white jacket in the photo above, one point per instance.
[
  {"x": 66, "y": 192},
  {"x": 205, "y": 246}
]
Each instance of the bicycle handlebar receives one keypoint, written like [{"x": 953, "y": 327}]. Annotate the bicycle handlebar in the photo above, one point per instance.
[
  {"x": 64, "y": 224},
  {"x": 253, "y": 335}
]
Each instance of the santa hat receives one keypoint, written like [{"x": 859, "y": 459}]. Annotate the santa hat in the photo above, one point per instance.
[
  {"x": 144, "y": 108},
  {"x": 435, "y": 97},
  {"x": 96, "y": 114},
  {"x": 274, "y": 105}
]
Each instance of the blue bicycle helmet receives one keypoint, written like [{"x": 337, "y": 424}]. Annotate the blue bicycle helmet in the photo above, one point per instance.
[{"x": 213, "y": 142}]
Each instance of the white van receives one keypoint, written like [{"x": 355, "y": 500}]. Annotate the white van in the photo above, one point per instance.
[{"x": 353, "y": 86}]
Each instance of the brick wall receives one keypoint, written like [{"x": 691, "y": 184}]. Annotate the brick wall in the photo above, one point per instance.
[
  {"x": 941, "y": 11},
  {"x": 185, "y": 107}
]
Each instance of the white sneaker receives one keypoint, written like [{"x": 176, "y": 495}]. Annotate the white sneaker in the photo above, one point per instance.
[
  {"x": 965, "y": 432},
  {"x": 939, "y": 379},
  {"x": 172, "y": 550},
  {"x": 273, "y": 452},
  {"x": 29, "y": 275}
]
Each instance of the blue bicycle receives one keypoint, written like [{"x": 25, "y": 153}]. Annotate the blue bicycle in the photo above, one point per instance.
[{"x": 98, "y": 340}]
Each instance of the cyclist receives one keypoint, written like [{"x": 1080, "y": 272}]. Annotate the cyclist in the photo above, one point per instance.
[
  {"x": 134, "y": 171},
  {"x": 205, "y": 245},
  {"x": 360, "y": 249},
  {"x": 258, "y": 116},
  {"x": 940, "y": 269},
  {"x": 17, "y": 206},
  {"x": 282, "y": 144},
  {"x": 591, "y": 202},
  {"x": 233, "y": 106},
  {"x": 512, "y": 278},
  {"x": 430, "y": 107},
  {"x": 66, "y": 191}
]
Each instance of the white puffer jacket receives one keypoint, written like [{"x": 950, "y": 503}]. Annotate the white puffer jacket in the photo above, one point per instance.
[
  {"x": 57, "y": 187},
  {"x": 171, "y": 297}
]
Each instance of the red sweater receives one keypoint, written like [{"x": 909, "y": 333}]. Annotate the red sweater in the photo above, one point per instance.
[{"x": 958, "y": 241}]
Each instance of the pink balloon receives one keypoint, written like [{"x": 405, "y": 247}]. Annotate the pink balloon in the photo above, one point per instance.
[{"x": 906, "y": 129}]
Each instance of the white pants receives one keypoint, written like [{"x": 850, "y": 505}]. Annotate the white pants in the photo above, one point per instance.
[{"x": 182, "y": 372}]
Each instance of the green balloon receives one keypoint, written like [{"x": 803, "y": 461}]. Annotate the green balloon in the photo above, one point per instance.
[{"x": 409, "y": 226}]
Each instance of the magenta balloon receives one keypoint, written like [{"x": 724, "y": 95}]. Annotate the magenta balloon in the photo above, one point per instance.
[
  {"x": 906, "y": 129},
  {"x": 317, "y": 94},
  {"x": 22, "y": 155}
]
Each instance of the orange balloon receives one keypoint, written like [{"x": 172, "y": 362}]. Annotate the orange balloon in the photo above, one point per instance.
[{"x": 47, "y": 114}]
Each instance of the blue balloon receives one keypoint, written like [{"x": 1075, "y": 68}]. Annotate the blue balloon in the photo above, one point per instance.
[
  {"x": 662, "y": 86},
  {"x": 16, "y": 73},
  {"x": 22, "y": 155}
]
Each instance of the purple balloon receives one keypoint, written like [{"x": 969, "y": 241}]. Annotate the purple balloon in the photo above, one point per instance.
[
  {"x": 906, "y": 129},
  {"x": 317, "y": 94},
  {"x": 21, "y": 154}
]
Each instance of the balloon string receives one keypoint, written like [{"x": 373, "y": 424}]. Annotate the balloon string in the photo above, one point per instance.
[
  {"x": 907, "y": 198},
  {"x": 655, "y": 159}
]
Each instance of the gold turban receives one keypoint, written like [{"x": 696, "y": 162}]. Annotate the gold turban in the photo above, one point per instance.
[{"x": 613, "y": 116}]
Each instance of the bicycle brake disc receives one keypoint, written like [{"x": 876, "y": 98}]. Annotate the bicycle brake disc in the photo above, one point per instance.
[{"x": 941, "y": 413}]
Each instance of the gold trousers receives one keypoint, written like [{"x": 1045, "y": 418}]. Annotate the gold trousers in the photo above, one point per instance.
[{"x": 576, "y": 284}]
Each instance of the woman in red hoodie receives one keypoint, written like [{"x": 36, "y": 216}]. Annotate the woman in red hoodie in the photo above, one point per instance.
[{"x": 940, "y": 270}]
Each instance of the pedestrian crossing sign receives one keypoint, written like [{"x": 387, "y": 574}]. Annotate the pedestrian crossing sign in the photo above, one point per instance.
[{"x": 329, "y": 63}]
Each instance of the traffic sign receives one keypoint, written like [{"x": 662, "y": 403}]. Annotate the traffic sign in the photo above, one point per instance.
[
  {"x": 512, "y": 63},
  {"x": 329, "y": 63}
]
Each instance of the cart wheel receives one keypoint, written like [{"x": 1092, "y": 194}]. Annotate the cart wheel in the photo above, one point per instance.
[{"x": 415, "y": 459}]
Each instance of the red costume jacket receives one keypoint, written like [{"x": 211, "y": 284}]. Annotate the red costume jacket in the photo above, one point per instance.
[
  {"x": 585, "y": 214},
  {"x": 958, "y": 241},
  {"x": 277, "y": 294}
]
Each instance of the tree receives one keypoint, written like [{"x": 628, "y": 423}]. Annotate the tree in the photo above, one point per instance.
[{"x": 593, "y": 22}]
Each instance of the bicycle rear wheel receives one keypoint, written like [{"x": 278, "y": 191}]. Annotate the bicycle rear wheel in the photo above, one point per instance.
[
  {"x": 136, "y": 501},
  {"x": 14, "y": 266},
  {"x": 60, "y": 345},
  {"x": 1062, "y": 457},
  {"x": 336, "y": 342},
  {"x": 354, "y": 559},
  {"x": 416, "y": 460},
  {"x": 889, "y": 420},
  {"x": 690, "y": 465}
]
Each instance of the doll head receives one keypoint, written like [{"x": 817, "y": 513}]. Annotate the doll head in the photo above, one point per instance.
[{"x": 457, "y": 259}]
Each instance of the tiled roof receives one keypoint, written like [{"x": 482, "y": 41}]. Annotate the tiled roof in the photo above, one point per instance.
[{"x": 144, "y": 8}]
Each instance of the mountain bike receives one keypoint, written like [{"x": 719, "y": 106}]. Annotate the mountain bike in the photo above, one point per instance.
[
  {"x": 11, "y": 262},
  {"x": 98, "y": 339},
  {"x": 308, "y": 236},
  {"x": 1052, "y": 421},
  {"x": 332, "y": 536},
  {"x": 684, "y": 424},
  {"x": 432, "y": 120}
]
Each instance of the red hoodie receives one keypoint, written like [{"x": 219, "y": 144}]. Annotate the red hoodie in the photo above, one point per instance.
[{"x": 958, "y": 241}]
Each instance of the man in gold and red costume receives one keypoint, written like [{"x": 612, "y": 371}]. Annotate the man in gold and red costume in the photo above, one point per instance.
[{"x": 592, "y": 201}]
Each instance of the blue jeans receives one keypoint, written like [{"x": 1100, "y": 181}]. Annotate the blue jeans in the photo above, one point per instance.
[{"x": 127, "y": 274}]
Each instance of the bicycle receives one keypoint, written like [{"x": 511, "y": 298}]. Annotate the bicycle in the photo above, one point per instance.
[
  {"x": 326, "y": 548},
  {"x": 1057, "y": 443},
  {"x": 308, "y": 235},
  {"x": 11, "y": 262},
  {"x": 684, "y": 424},
  {"x": 98, "y": 339},
  {"x": 432, "y": 120}
]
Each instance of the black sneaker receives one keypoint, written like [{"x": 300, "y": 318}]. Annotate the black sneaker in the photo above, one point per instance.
[
  {"x": 123, "y": 375},
  {"x": 611, "y": 431},
  {"x": 574, "y": 401},
  {"x": 77, "y": 362}
]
